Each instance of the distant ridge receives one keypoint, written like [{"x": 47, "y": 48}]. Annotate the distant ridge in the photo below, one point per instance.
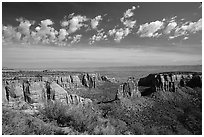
[{"x": 5, "y": 68}]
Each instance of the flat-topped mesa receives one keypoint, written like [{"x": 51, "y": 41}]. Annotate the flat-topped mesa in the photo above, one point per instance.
[
  {"x": 171, "y": 81},
  {"x": 81, "y": 80},
  {"x": 39, "y": 95},
  {"x": 76, "y": 80},
  {"x": 128, "y": 89},
  {"x": 38, "y": 88}
]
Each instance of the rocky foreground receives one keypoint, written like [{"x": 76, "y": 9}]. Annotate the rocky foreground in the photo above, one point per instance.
[{"x": 160, "y": 103}]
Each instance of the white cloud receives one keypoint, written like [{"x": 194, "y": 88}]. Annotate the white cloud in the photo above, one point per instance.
[
  {"x": 149, "y": 30},
  {"x": 193, "y": 27},
  {"x": 64, "y": 23},
  {"x": 179, "y": 32},
  {"x": 129, "y": 23},
  {"x": 8, "y": 31},
  {"x": 119, "y": 34},
  {"x": 186, "y": 28},
  {"x": 45, "y": 32},
  {"x": 47, "y": 22},
  {"x": 53, "y": 34},
  {"x": 112, "y": 32},
  {"x": 44, "y": 27},
  {"x": 125, "y": 19},
  {"x": 126, "y": 31},
  {"x": 76, "y": 39},
  {"x": 170, "y": 27},
  {"x": 95, "y": 21},
  {"x": 35, "y": 37},
  {"x": 9, "y": 34},
  {"x": 99, "y": 36},
  {"x": 62, "y": 34},
  {"x": 24, "y": 26},
  {"x": 129, "y": 13},
  {"x": 76, "y": 22}
]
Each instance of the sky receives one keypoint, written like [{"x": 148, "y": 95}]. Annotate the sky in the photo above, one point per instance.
[{"x": 101, "y": 34}]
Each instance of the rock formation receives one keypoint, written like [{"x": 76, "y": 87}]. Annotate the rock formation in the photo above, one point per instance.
[
  {"x": 74, "y": 99},
  {"x": 128, "y": 89},
  {"x": 88, "y": 80},
  {"x": 170, "y": 81}
]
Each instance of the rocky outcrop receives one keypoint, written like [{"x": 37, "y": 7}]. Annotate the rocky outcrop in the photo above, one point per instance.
[
  {"x": 171, "y": 81},
  {"x": 74, "y": 99},
  {"x": 39, "y": 97},
  {"x": 68, "y": 99},
  {"x": 88, "y": 80},
  {"x": 128, "y": 89},
  {"x": 60, "y": 86},
  {"x": 105, "y": 78}
]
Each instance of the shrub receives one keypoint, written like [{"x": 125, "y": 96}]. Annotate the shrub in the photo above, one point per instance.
[
  {"x": 82, "y": 118},
  {"x": 55, "y": 111},
  {"x": 104, "y": 129},
  {"x": 18, "y": 123}
]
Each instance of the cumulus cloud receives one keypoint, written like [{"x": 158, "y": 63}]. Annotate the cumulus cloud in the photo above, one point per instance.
[
  {"x": 95, "y": 21},
  {"x": 150, "y": 29},
  {"x": 53, "y": 34},
  {"x": 119, "y": 34},
  {"x": 187, "y": 28},
  {"x": 47, "y": 22},
  {"x": 170, "y": 27},
  {"x": 46, "y": 32},
  {"x": 74, "y": 23},
  {"x": 24, "y": 26},
  {"x": 99, "y": 36},
  {"x": 129, "y": 23},
  {"x": 21, "y": 32},
  {"x": 112, "y": 32},
  {"x": 76, "y": 39},
  {"x": 129, "y": 13},
  {"x": 62, "y": 34},
  {"x": 35, "y": 38},
  {"x": 126, "y": 18},
  {"x": 193, "y": 27},
  {"x": 180, "y": 31},
  {"x": 64, "y": 23},
  {"x": 9, "y": 33}
]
